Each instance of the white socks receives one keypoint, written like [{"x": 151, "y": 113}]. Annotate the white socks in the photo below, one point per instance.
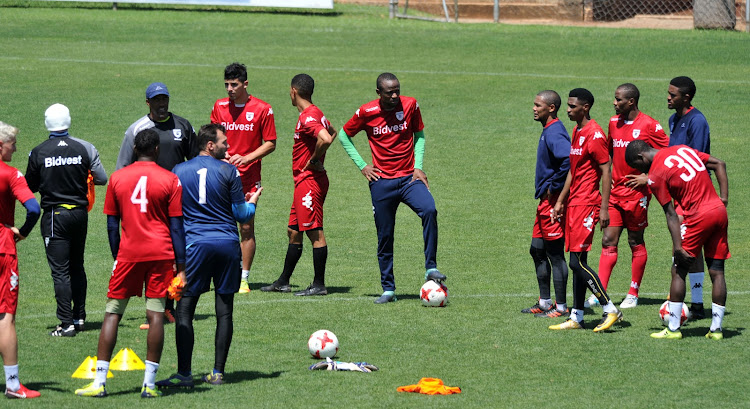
[
  {"x": 245, "y": 274},
  {"x": 11, "y": 377},
  {"x": 696, "y": 287},
  {"x": 717, "y": 316},
  {"x": 149, "y": 378},
  {"x": 576, "y": 315},
  {"x": 102, "y": 368}
]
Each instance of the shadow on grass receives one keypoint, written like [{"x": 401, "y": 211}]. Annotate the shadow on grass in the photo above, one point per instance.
[{"x": 240, "y": 376}]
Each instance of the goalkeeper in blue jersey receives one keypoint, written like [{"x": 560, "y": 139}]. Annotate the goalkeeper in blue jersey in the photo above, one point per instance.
[{"x": 212, "y": 204}]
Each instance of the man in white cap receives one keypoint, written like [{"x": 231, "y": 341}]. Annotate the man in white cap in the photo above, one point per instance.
[
  {"x": 177, "y": 143},
  {"x": 58, "y": 169}
]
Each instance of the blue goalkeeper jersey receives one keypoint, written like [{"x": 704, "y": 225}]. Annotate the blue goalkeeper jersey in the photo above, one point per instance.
[{"x": 209, "y": 189}]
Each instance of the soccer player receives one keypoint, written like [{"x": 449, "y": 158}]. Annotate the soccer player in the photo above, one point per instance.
[
  {"x": 680, "y": 173},
  {"x": 589, "y": 163},
  {"x": 213, "y": 203},
  {"x": 688, "y": 126},
  {"x": 12, "y": 187},
  {"x": 251, "y": 134},
  {"x": 59, "y": 169},
  {"x": 312, "y": 137},
  {"x": 147, "y": 200},
  {"x": 394, "y": 128},
  {"x": 628, "y": 201},
  {"x": 176, "y": 143},
  {"x": 547, "y": 238}
]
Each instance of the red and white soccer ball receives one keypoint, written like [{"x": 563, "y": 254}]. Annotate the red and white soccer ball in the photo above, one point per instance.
[
  {"x": 323, "y": 344},
  {"x": 664, "y": 313},
  {"x": 434, "y": 294}
]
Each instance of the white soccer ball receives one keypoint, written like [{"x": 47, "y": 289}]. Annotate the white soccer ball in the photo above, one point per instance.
[
  {"x": 664, "y": 313},
  {"x": 434, "y": 294},
  {"x": 323, "y": 344}
]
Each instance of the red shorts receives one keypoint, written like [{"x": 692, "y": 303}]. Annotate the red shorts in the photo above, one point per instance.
[
  {"x": 128, "y": 278},
  {"x": 307, "y": 206},
  {"x": 8, "y": 283},
  {"x": 543, "y": 226},
  {"x": 250, "y": 180},
  {"x": 631, "y": 214},
  {"x": 579, "y": 227},
  {"x": 707, "y": 230}
]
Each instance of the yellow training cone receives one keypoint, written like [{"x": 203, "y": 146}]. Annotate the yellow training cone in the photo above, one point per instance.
[
  {"x": 87, "y": 369},
  {"x": 127, "y": 360}
]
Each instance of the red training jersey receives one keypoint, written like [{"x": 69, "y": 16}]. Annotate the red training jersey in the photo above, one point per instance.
[
  {"x": 144, "y": 196},
  {"x": 621, "y": 133},
  {"x": 679, "y": 173},
  {"x": 589, "y": 148},
  {"x": 248, "y": 126},
  {"x": 391, "y": 134},
  {"x": 13, "y": 187},
  {"x": 311, "y": 122}
]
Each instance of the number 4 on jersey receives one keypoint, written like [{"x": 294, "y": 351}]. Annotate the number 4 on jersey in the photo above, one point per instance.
[{"x": 139, "y": 194}]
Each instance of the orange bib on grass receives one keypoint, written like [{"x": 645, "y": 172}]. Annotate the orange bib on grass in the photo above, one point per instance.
[{"x": 430, "y": 386}]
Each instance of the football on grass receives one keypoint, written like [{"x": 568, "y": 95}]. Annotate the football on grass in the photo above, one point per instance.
[
  {"x": 434, "y": 294},
  {"x": 323, "y": 344},
  {"x": 664, "y": 313}
]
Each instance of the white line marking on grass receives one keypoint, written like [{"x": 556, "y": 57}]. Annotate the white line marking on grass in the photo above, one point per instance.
[
  {"x": 337, "y": 69},
  {"x": 205, "y": 307}
]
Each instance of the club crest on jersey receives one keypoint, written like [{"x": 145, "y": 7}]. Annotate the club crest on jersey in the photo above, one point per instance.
[
  {"x": 177, "y": 134},
  {"x": 636, "y": 133},
  {"x": 400, "y": 115},
  {"x": 249, "y": 116},
  {"x": 581, "y": 140}
]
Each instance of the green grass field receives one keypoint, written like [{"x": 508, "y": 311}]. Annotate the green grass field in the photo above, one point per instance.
[{"x": 475, "y": 84}]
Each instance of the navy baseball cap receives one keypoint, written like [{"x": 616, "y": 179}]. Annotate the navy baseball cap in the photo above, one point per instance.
[{"x": 157, "y": 88}]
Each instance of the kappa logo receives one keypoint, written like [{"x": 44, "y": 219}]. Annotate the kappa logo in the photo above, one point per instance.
[
  {"x": 307, "y": 200},
  {"x": 636, "y": 133},
  {"x": 270, "y": 111},
  {"x": 658, "y": 127},
  {"x": 19, "y": 174},
  {"x": 400, "y": 115},
  {"x": 697, "y": 285},
  {"x": 650, "y": 182},
  {"x": 357, "y": 113},
  {"x": 249, "y": 116},
  {"x": 643, "y": 202},
  {"x": 238, "y": 172},
  {"x": 177, "y": 134},
  {"x": 588, "y": 222},
  {"x": 683, "y": 230},
  {"x": 598, "y": 135},
  {"x": 309, "y": 119},
  {"x": 13, "y": 280},
  {"x": 62, "y": 143}
]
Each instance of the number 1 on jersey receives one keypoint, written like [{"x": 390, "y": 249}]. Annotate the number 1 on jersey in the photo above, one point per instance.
[{"x": 202, "y": 185}]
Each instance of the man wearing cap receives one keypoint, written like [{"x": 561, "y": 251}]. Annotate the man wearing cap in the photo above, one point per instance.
[
  {"x": 58, "y": 169},
  {"x": 176, "y": 135}
]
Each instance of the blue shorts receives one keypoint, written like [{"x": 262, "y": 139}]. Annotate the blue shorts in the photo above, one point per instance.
[{"x": 218, "y": 260}]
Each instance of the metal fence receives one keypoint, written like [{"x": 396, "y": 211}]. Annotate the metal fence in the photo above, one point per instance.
[{"x": 718, "y": 14}]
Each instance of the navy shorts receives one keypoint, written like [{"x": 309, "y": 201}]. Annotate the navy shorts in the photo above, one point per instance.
[{"x": 217, "y": 260}]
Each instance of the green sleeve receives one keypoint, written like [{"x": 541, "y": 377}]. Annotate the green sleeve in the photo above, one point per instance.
[
  {"x": 346, "y": 142},
  {"x": 418, "y": 149}
]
